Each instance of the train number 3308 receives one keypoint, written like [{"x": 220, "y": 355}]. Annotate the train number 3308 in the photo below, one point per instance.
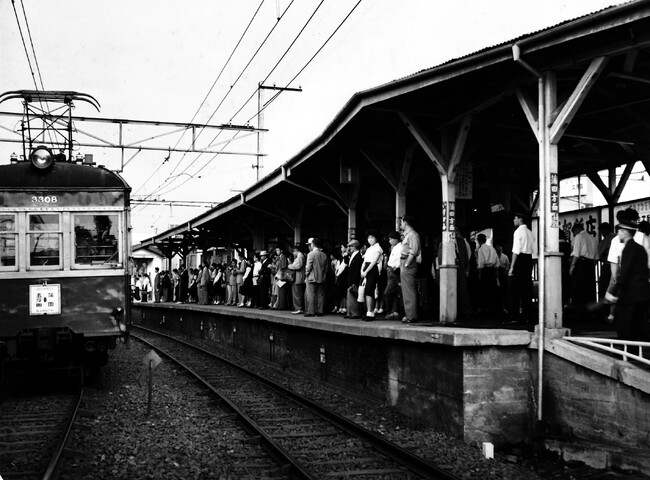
[{"x": 44, "y": 199}]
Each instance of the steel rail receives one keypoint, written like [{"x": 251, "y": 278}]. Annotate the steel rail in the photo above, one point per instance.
[
  {"x": 416, "y": 464},
  {"x": 64, "y": 439},
  {"x": 279, "y": 453}
]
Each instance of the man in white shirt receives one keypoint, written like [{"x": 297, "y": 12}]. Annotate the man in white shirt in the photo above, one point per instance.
[
  {"x": 392, "y": 271},
  {"x": 583, "y": 277},
  {"x": 487, "y": 262},
  {"x": 520, "y": 288}
]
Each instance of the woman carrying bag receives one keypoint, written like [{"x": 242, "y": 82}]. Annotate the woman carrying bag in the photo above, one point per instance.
[{"x": 370, "y": 274}]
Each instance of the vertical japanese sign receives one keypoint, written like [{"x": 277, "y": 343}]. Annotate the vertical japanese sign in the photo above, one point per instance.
[
  {"x": 555, "y": 201},
  {"x": 452, "y": 216},
  {"x": 444, "y": 216}
]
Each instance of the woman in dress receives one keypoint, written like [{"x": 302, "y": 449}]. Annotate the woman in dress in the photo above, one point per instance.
[{"x": 370, "y": 273}]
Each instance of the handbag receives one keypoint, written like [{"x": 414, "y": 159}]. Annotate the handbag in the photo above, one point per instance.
[
  {"x": 287, "y": 275},
  {"x": 362, "y": 292}
]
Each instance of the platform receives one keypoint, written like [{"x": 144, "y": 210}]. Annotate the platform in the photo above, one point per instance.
[{"x": 481, "y": 334}]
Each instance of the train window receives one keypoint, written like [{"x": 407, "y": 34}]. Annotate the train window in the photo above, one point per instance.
[
  {"x": 8, "y": 237},
  {"x": 96, "y": 239},
  {"x": 44, "y": 238}
]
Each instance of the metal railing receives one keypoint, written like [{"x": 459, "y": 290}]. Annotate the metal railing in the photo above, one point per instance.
[{"x": 608, "y": 345}]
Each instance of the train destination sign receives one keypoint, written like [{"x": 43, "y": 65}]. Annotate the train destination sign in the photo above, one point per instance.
[{"x": 44, "y": 299}]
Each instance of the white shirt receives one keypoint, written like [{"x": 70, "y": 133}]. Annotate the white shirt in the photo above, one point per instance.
[
  {"x": 373, "y": 253},
  {"x": 256, "y": 271},
  {"x": 616, "y": 247},
  {"x": 523, "y": 241},
  {"x": 584, "y": 246},
  {"x": 486, "y": 256},
  {"x": 394, "y": 258}
]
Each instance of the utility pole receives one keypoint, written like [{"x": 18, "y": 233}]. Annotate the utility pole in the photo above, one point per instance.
[{"x": 260, "y": 119}]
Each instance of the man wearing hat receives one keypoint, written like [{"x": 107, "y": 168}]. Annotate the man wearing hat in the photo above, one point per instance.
[
  {"x": 392, "y": 272},
  {"x": 264, "y": 280},
  {"x": 315, "y": 278},
  {"x": 631, "y": 291},
  {"x": 583, "y": 278},
  {"x": 353, "y": 280},
  {"x": 298, "y": 286}
]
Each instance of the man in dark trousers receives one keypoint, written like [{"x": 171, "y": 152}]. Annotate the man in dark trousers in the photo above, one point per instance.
[
  {"x": 520, "y": 288},
  {"x": 354, "y": 279},
  {"x": 631, "y": 291},
  {"x": 315, "y": 271},
  {"x": 185, "y": 280},
  {"x": 157, "y": 287}
]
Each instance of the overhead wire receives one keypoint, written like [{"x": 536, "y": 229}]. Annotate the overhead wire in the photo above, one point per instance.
[
  {"x": 293, "y": 79},
  {"x": 268, "y": 35},
  {"x": 281, "y": 58},
  {"x": 262, "y": 108},
  {"x": 206, "y": 96},
  {"x": 219, "y": 77},
  {"x": 29, "y": 62},
  {"x": 275, "y": 96}
]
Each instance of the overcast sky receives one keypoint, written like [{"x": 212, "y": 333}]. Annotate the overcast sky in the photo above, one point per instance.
[{"x": 158, "y": 59}]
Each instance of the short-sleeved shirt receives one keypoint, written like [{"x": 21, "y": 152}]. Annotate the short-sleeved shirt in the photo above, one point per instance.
[
  {"x": 486, "y": 256},
  {"x": 523, "y": 241},
  {"x": 373, "y": 253},
  {"x": 395, "y": 255},
  {"x": 584, "y": 246},
  {"x": 616, "y": 247},
  {"x": 411, "y": 245}
]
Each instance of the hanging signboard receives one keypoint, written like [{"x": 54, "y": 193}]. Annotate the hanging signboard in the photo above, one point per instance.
[
  {"x": 464, "y": 180},
  {"x": 44, "y": 299}
]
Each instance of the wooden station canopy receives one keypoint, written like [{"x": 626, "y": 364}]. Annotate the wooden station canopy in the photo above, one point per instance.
[{"x": 463, "y": 143}]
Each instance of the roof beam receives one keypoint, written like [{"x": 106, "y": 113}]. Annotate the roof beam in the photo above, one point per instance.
[
  {"x": 425, "y": 142},
  {"x": 381, "y": 168},
  {"x": 570, "y": 108},
  {"x": 530, "y": 111}
]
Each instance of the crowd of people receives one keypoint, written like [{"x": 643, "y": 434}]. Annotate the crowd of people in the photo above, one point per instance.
[
  {"x": 356, "y": 280},
  {"x": 386, "y": 278}
]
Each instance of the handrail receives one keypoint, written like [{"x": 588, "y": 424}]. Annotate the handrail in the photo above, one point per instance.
[{"x": 607, "y": 345}]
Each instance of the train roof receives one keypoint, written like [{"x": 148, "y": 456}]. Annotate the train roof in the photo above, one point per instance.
[{"x": 62, "y": 175}]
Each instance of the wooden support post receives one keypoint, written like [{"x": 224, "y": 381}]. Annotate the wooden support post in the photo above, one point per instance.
[
  {"x": 448, "y": 269},
  {"x": 446, "y": 165},
  {"x": 549, "y": 204}
]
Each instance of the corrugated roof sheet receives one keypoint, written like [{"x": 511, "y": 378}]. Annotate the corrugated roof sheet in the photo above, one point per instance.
[{"x": 514, "y": 40}]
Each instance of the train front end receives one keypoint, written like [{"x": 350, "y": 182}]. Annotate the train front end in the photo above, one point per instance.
[{"x": 64, "y": 260}]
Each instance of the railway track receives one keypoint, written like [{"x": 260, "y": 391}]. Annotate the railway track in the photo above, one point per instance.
[
  {"x": 313, "y": 441},
  {"x": 34, "y": 429}
]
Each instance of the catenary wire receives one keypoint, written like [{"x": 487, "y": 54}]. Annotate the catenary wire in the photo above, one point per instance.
[
  {"x": 268, "y": 35},
  {"x": 217, "y": 79},
  {"x": 281, "y": 58},
  {"x": 308, "y": 62},
  {"x": 202, "y": 103}
]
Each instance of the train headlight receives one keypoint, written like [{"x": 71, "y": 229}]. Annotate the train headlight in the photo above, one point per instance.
[
  {"x": 41, "y": 157},
  {"x": 118, "y": 313}
]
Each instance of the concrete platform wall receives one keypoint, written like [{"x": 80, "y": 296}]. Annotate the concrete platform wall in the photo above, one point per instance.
[{"x": 581, "y": 403}]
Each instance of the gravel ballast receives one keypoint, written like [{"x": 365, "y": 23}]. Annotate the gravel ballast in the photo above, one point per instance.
[{"x": 189, "y": 436}]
